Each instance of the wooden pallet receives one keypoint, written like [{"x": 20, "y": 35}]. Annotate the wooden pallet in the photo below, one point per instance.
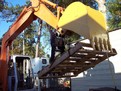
[{"x": 74, "y": 61}]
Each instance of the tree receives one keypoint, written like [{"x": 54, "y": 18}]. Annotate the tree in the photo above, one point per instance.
[
  {"x": 10, "y": 14},
  {"x": 114, "y": 14},
  {"x": 38, "y": 38},
  {"x": 0, "y": 41},
  {"x": 16, "y": 47},
  {"x": 29, "y": 39},
  {"x": 28, "y": 36},
  {"x": 2, "y": 4},
  {"x": 65, "y": 3},
  {"x": 0, "y": 45}
]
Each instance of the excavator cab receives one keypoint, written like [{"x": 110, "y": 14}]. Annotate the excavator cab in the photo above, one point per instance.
[{"x": 20, "y": 74}]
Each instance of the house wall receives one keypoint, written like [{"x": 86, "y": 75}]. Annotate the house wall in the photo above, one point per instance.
[{"x": 106, "y": 73}]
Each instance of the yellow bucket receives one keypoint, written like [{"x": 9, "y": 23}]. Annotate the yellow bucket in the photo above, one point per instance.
[{"x": 84, "y": 21}]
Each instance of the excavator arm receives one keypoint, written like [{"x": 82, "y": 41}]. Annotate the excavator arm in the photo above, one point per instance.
[
  {"x": 27, "y": 16},
  {"x": 77, "y": 18}
]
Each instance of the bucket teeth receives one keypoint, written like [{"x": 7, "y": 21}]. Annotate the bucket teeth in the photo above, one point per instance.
[{"x": 101, "y": 44}]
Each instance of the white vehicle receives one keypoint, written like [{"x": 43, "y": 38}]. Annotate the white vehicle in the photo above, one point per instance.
[
  {"x": 20, "y": 74},
  {"x": 38, "y": 64}
]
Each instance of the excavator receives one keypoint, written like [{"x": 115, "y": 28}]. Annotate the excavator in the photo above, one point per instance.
[{"x": 77, "y": 18}]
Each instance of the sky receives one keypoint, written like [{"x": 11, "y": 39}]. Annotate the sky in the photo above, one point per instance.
[{"x": 4, "y": 26}]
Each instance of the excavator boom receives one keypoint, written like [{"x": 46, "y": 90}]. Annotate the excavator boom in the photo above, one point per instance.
[{"x": 27, "y": 16}]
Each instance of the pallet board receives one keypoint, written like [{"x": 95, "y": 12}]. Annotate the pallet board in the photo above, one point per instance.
[{"x": 74, "y": 61}]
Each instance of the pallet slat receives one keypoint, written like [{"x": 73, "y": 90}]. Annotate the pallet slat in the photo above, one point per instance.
[{"x": 75, "y": 61}]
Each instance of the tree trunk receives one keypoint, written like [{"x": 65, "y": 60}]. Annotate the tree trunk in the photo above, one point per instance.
[
  {"x": 23, "y": 44},
  {"x": 38, "y": 38}
]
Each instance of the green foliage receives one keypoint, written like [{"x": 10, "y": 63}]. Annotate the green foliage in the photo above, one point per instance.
[
  {"x": 10, "y": 14},
  {"x": 0, "y": 41},
  {"x": 45, "y": 38},
  {"x": 2, "y": 4},
  {"x": 71, "y": 38},
  {"x": 65, "y": 3},
  {"x": 16, "y": 47},
  {"x": 114, "y": 14},
  {"x": 28, "y": 37}
]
